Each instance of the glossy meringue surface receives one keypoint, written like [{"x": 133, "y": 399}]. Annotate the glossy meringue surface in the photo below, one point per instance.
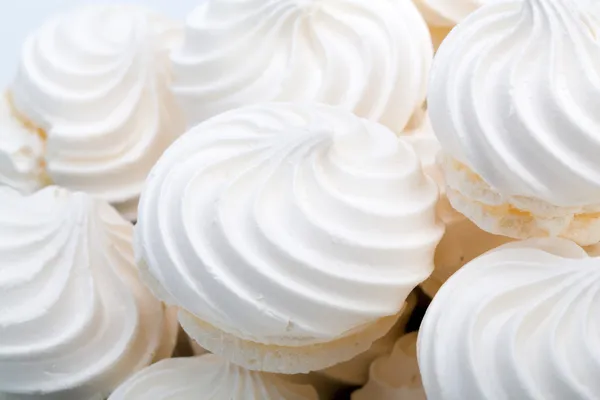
[
  {"x": 369, "y": 57},
  {"x": 96, "y": 81},
  {"x": 75, "y": 320},
  {"x": 288, "y": 224},
  {"x": 208, "y": 377},
  {"x": 520, "y": 322},
  {"x": 513, "y": 96}
]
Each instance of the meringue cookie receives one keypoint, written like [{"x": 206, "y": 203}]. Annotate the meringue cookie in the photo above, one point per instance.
[
  {"x": 356, "y": 371},
  {"x": 511, "y": 100},
  {"x": 369, "y": 57},
  {"x": 208, "y": 377},
  {"x": 96, "y": 82},
  {"x": 395, "y": 376},
  {"x": 520, "y": 322},
  {"x": 443, "y": 15},
  {"x": 289, "y": 235},
  {"x": 75, "y": 320}
]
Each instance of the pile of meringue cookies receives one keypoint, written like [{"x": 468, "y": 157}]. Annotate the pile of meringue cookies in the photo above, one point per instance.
[{"x": 282, "y": 182}]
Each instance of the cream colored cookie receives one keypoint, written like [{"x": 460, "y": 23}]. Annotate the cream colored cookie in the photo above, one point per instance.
[
  {"x": 289, "y": 236},
  {"x": 512, "y": 113},
  {"x": 90, "y": 107}
]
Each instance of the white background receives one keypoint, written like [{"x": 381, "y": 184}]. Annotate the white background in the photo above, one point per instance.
[{"x": 19, "y": 17}]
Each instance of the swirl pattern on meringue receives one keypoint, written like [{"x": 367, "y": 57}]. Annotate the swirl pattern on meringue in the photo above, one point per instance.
[
  {"x": 520, "y": 322},
  {"x": 514, "y": 95},
  {"x": 369, "y": 57},
  {"x": 75, "y": 320},
  {"x": 208, "y": 377},
  {"x": 96, "y": 80},
  {"x": 288, "y": 224}
]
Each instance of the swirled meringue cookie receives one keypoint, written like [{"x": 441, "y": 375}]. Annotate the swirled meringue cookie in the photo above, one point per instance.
[
  {"x": 289, "y": 235},
  {"x": 75, "y": 320},
  {"x": 208, "y": 377},
  {"x": 443, "y": 15},
  {"x": 95, "y": 81},
  {"x": 369, "y": 57},
  {"x": 520, "y": 322},
  {"x": 356, "y": 371},
  {"x": 395, "y": 376},
  {"x": 512, "y": 101}
]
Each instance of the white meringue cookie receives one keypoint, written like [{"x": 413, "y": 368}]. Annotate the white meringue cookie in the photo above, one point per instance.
[
  {"x": 512, "y": 100},
  {"x": 96, "y": 81},
  {"x": 395, "y": 376},
  {"x": 520, "y": 322},
  {"x": 369, "y": 57},
  {"x": 512, "y": 97},
  {"x": 288, "y": 225},
  {"x": 75, "y": 321},
  {"x": 208, "y": 377}
]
